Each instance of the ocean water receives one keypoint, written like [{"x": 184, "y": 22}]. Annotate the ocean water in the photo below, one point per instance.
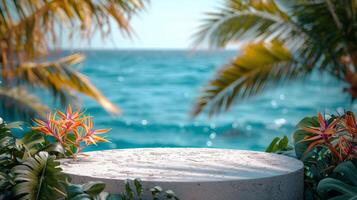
[{"x": 156, "y": 91}]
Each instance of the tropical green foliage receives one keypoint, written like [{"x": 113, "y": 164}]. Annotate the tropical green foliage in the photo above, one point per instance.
[
  {"x": 343, "y": 185},
  {"x": 29, "y": 32},
  {"x": 322, "y": 144},
  {"x": 334, "y": 133},
  {"x": 135, "y": 191},
  {"x": 157, "y": 194},
  {"x": 29, "y": 170},
  {"x": 88, "y": 191},
  {"x": 278, "y": 145},
  {"x": 327, "y": 147},
  {"x": 39, "y": 177},
  {"x": 281, "y": 41}
]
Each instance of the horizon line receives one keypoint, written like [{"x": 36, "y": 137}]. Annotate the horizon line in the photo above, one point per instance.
[{"x": 142, "y": 49}]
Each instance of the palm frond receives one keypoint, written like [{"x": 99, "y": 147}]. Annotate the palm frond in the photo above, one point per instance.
[
  {"x": 31, "y": 29},
  {"x": 61, "y": 78},
  {"x": 26, "y": 24},
  {"x": 330, "y": 38},
  {"x": 18, "y": 101},
  {"x": 239, "y": 21},
  {"x": 319, "y": 34},
  {"x": 260, "y": 65}
]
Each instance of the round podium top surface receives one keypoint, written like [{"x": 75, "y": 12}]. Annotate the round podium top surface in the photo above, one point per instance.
[{"x": 180, "y": 164}]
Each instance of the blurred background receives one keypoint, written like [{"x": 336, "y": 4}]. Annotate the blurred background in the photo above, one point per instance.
[{"x": 156, "y": 64}]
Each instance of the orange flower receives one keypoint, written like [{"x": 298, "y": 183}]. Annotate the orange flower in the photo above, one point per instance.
[
  {"x": 90, "y": 136},
  {"x": 323, "y": 132},
  {"x": 62, "y": 125},
  {"x": 49, "y": 127}
]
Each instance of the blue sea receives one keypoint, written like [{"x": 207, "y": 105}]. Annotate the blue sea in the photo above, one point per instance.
[{"x": 156, "y": 90}]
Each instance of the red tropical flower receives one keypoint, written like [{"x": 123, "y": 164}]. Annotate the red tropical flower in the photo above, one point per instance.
[
  {"x": 350, "y": 122},
  {"x": 322, "y": 134}
]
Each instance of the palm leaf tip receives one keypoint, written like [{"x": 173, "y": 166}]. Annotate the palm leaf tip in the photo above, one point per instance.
[
  {"x": 90, "y": 90},
  {"x": 109, "y": 106}
]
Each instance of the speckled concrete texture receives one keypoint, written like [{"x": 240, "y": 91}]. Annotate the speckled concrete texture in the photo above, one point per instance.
[{"x": 194, "y": 173}]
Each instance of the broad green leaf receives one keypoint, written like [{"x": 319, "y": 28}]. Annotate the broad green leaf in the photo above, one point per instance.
[
  {"x": 39, "y": 177},
  {"x": 278, "y": 145},
  {"x": 329, "y": 184},
  {"x": 300, "y": 147},
  {"x": 308, "y": 122},
  {"x": 348, "y": 171},
  {"x": 93, "y": 188},
  {"x": 272, "y": 146}
]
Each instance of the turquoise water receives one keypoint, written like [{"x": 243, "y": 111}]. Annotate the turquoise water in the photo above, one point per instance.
[{"x": 156, "y": 91}]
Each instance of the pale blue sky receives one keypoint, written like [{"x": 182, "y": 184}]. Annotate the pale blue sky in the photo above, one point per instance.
[{"x": 166, "y": 24}]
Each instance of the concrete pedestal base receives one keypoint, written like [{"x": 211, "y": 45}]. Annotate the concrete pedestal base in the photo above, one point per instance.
[{"x": 194, "y": 173}]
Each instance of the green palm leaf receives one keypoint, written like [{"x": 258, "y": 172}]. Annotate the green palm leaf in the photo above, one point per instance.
[
  {"x": 39, "y": 177},
  {"x": 319, "y": 34},
  {"x": 260, "y": 65},
  {"x": 27, "y": 23},
  {"x": 31, "y": 29},
  {"x": 242, "y": 20}
]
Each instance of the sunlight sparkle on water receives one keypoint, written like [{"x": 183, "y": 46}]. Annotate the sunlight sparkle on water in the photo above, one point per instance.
[
  {"x": 274, "y": 104},
  {"x": 280, "y": 122},
  {"x": 144, "y": 122},
  {"x": 120, "y": 78},
  {"x": 212, "y": 135},
  {"x": 282, "y": 97},
  {"x": 249, "y": 128},
  {"x": 234, "y": 125}
]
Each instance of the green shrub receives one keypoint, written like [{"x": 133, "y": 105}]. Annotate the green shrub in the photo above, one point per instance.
[
  {"x": 342, "y": 183},
  {"x": 327, "y": 147},
  {"x": 29, "y": 170},
  {"x": 279, "y": 145}
]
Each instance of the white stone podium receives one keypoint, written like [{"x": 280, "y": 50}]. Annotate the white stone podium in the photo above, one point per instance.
[{"x": 194, "y": 173}]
